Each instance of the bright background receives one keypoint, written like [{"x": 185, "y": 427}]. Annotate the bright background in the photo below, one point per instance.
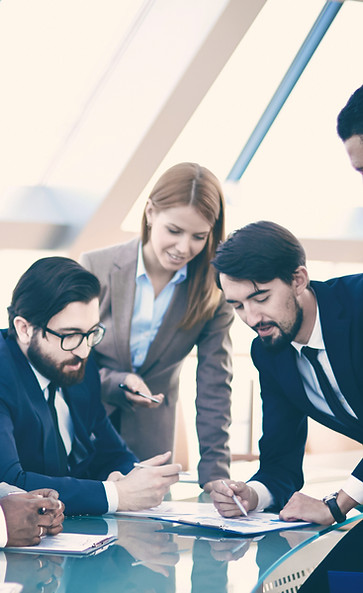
[{"x": 99, "y": 98}]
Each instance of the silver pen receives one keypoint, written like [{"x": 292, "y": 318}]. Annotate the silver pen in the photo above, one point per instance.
[
  {"x": 137, "y": 464},
  {"x": 135, "y": 392},
  {"x": 236, "y": 501}
]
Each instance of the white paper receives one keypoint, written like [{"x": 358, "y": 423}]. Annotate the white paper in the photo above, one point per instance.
[
  {"x": 10, "y": 588},
  {"x": 206, "y": 515},
  {"x": 67, "y": 543}
]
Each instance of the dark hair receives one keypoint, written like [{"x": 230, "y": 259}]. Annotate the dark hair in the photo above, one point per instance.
[
  {"x": 190, "y": 184},
  {"x": 350, "y": 119},
  {"x": 260, "y": 252},
  {"x": 47, "y": 287}
]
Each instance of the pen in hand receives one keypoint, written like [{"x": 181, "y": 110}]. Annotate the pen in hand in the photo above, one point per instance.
[
  {"x": 135, "y": 392},
  {"x": 235, "y": 500},
  {"x": 136, "y": 464}
]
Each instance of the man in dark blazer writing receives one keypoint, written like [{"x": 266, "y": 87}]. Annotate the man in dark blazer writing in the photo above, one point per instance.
[
  {"x": 54, "y": 430},
  {"x": 309, "y": 353}
]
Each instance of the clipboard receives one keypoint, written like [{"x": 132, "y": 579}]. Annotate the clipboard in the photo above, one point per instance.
[{"x": 74, "y": 544}]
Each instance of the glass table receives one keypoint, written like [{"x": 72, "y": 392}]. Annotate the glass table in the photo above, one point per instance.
[{"x": 152, "y": 556}]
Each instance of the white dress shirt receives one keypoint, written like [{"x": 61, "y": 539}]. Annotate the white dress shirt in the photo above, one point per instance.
[
  {"x": 3, "y": 530},
  {"x": 66, "y": 430},
  {"x": 148, "y": 311}
]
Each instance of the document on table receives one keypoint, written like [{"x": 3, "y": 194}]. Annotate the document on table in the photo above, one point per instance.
[
  {"x": 206, "y": 515},
  {"x": 10, "y": 588},
  {"x": 67, "y": 543}
]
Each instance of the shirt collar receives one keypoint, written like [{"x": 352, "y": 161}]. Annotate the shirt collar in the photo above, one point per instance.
[
  {"x": 43, "y": 381},
  {"x": 178, "y": 277},
  {"x": 316, "y": 338}
]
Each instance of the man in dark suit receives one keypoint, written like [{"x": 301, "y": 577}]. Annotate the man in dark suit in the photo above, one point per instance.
[
  {"x": 350, "y": 129},
  {"x": 309, "y": 353},
  {"x": 54, "y": 430}
]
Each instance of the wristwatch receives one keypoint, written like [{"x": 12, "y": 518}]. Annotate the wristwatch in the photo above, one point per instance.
[{"x": 331, "y": 501}]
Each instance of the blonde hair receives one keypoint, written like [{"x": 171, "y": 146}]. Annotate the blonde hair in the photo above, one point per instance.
[{"x": 189, "y": 184}]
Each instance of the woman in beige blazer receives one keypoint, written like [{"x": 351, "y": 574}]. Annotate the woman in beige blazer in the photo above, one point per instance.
[{"x": 154, "y": 316}]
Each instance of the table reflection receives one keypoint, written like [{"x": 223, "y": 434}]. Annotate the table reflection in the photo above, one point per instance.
[{"x": 147, "y": 559}]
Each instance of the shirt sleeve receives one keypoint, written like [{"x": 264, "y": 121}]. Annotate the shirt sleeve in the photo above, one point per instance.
[
  {"x": 3, "y": 530},
  {"x": 213, "y": 402},
  {"x": 111, "y": 495},
  {"x": 354, "y": 488},
  {"x": 265, "y": 498}
]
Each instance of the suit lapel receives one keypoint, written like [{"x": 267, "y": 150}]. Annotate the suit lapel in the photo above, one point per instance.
[
  {"x": 122, "y": 300},
  {"x": 336, "y": 329},
  {"x": 290, "y": 379},
  {"x": 40, "y": 408}
]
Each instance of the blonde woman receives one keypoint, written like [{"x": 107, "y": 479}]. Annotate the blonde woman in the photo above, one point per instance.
[{"x": 159, "y": 299}]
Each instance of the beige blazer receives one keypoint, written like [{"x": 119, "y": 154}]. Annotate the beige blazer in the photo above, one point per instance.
[{"x": 150, "y": 432}]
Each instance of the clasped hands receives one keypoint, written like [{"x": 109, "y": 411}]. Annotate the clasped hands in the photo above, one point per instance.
[{"x": 30, "y": 515}]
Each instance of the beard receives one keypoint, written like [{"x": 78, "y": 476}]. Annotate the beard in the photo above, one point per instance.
[
  {"x": 52, "y": 370},
  {"x": 288, "y": 332}
]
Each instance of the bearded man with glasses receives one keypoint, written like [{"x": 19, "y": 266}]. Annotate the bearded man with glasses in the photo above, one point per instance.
[{"x": 54, "y": 430}]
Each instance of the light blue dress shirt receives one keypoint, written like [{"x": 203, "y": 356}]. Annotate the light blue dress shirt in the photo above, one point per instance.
[{"x": 149, "y": 311}]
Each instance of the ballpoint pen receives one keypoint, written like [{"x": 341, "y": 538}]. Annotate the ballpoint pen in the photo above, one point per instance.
[
  {"x": 235, "y": 499},
  {"x": 135, "y": 392},
  {"x": 136, "y": 464}
]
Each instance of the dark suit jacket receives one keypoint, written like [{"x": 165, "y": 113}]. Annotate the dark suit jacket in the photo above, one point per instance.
[
  {"x": 28, "y": 450},
  {"x": 285, "y": 403},
  {"x": 151, "y": 431}
]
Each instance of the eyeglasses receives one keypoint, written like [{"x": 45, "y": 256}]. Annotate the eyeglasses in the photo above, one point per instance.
[{"x": 72, "y": 341}]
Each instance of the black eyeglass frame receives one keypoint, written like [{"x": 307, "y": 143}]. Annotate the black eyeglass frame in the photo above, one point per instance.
[{"x": 82, "y": 336}]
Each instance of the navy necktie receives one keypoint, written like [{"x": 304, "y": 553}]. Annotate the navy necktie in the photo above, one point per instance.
[
  {"x": 331, "y": 397},
  {"x": 62, "y": 454}
]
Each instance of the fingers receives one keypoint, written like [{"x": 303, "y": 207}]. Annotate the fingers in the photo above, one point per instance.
[
  {"x": 54, "y": 530},
  {"x": 115, "y": 476},
  {"x": 222, "y": 496},
  {"x": 45, "y": 492},
  {"x": 158, "y": 459},
  {"x": 45, "y": 505}
]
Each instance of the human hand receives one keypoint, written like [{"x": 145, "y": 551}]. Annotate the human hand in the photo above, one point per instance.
[
  {"x": 221, "y": 495},
  {"x": 145, "y": 487},
  {"x": 30, "y": 515},
  {"x": 135, "y": 383},
  {"x": 301, "y": 507},
  {"x": 208, "y": 487},
  {"x": 35, "y": 572},
  {"x": 148, "y": 545},
  {"x": 229, "y": 550},
  {"x": 115, "y": 476},
  {"x": 58, "y": 514}
]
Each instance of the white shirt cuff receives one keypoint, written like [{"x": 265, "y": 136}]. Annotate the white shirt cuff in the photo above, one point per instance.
[
  {"x": 265, "y": 498},
  {"x": 112, "y": 528},
  {"x": 354, "y": 488},
  {"x": 3, "y": 530},
  {"x": 112, "y": 496},
  {"x": 3, "y": 565}
]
